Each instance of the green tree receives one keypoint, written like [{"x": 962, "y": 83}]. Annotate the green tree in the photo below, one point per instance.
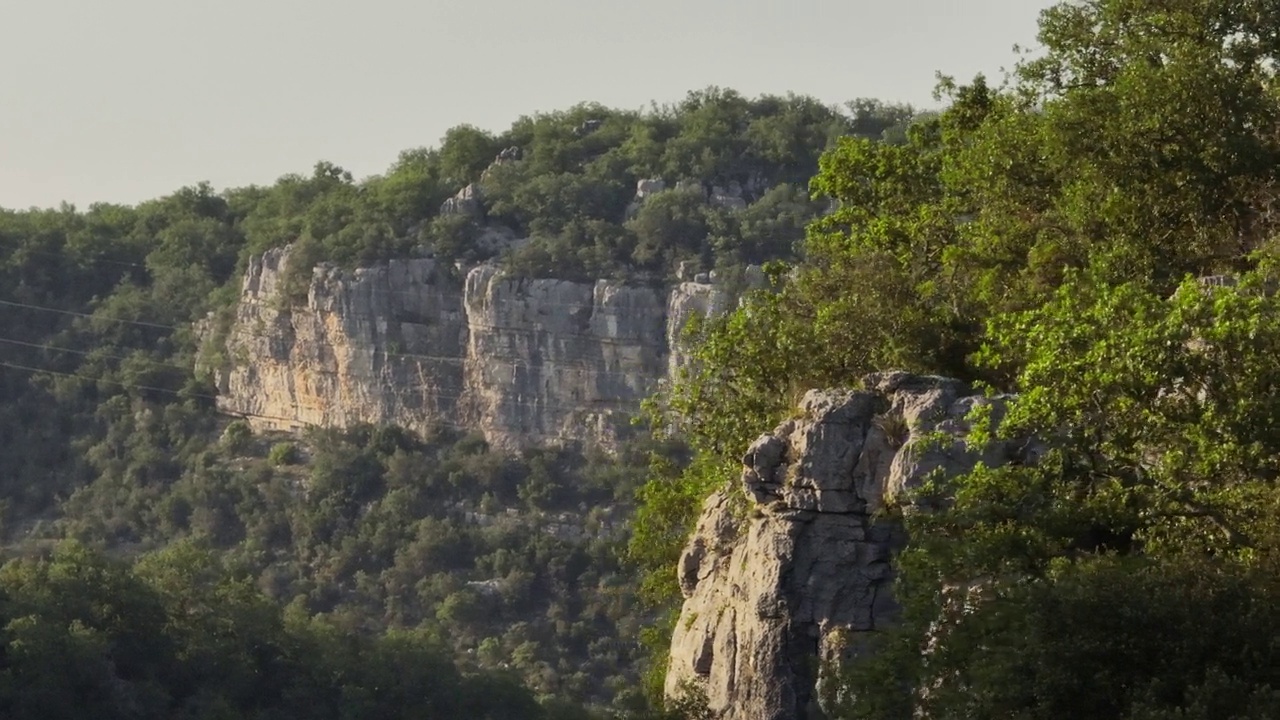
[
  {"x": 1084, "y": 584},
  {"x": 464, "y": 152}
]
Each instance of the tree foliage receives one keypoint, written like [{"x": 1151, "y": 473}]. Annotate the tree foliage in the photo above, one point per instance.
[
  {"x": 181, "y": 635},
  {"x": 1131, "y": 572},
  {"x": 1141, "y": 145},
  {"x": 1044, "y": 236}
]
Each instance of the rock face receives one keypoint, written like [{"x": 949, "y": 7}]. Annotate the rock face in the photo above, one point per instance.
[
  {"x": 649, "y": 186},
  {"x": 465, "y": 202},
  {"x": 375, "y": 345},
  {"x": 411, "y": 342},
  {"x": 798, "y": 573},
  {"x": 729, "y": 198},
  {"x": 549, "y": 359},
  {"x": 686, "y": 300}
]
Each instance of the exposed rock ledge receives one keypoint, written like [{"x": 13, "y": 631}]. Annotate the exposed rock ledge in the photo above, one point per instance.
[{"x": 806, "y": 576}]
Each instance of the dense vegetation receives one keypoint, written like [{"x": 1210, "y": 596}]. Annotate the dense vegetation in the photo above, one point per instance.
[
  {"x": 178, "y": 636},
  {"x": 110, "y": 293},
  {"x": 349, "y": 553},
  {"x": 1044, "y": 237},
  {"x": 511, "y": 562}
]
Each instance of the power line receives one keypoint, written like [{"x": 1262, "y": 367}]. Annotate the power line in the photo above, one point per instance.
[
  {"x": 164, "y": 326},
  {"x": 438, "y": 396},
  {"x": 89, "y": 316},
  {"x": 363, "y": 376},
  {"x": 368, "y": 377},
  {"x": 185, "y": 394},
  {"x": 93, "y": 353},
  {"x": 514, "y": 363},
  {"x": 137, "y": 386}
]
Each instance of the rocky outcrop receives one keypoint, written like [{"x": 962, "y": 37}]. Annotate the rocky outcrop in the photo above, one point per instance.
[
  {"x": 729, "y": 197},
  {"x": 685, "y": 301},
  {"x": 649, "y": 186},
  {"x": 791, "y": 571},
  {"x": 411, "y": 342},
  {"x": 466, "y": 201}
]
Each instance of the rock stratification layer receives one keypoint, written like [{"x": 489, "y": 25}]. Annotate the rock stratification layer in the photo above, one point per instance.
[
  {"x": 796, "y": 575},
  {"x": 411, "y": 342}
]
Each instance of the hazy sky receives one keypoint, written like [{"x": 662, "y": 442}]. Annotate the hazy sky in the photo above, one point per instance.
[{"x": 125, "y": 100}]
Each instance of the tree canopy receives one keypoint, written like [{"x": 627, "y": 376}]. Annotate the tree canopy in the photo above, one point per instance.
[
  {"x": 179, "y": 635},
  {"x": 1140, "y": 144}
]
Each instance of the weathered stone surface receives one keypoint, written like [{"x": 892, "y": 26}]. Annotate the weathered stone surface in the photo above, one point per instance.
[
  {"x": 465, "y": 202},
  {"x": 373, "y": 345},
  {"x": 729, "y": 197},
  {"x": 645, "y": 187},
  {"x": 649, "y": 186},
  {"x": 509, "y": 154},
  {"x": 803, "y": 575},
  {"x": 553, "y": 360},
  {"x": 414, "y": 343},
  {"x": 684, "y": 301},
  {"x": 686, "y": 271}
]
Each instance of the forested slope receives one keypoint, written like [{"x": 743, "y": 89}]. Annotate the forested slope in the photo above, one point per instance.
[{"x": 499, "y": 564}]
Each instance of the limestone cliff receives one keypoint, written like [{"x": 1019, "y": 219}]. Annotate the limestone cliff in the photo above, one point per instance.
[
  {"x": 373, "y": 345},
  {"x": 525, "y": 361},
  {"x": 551, "y": 359},
  {"x": 799, "y": 576}
]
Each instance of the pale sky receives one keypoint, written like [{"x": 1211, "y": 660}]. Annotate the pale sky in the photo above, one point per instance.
[{"x": 126, "y": 100}]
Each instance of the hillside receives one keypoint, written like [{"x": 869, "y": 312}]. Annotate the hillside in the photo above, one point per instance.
[
  {"x": 997, "y": 439},
  {"x": 123, "y": 327}
]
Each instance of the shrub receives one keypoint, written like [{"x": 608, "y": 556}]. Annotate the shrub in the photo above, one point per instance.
[
  {"x": 283, "y": 453},
  {"x": 237, "y": 437}
]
